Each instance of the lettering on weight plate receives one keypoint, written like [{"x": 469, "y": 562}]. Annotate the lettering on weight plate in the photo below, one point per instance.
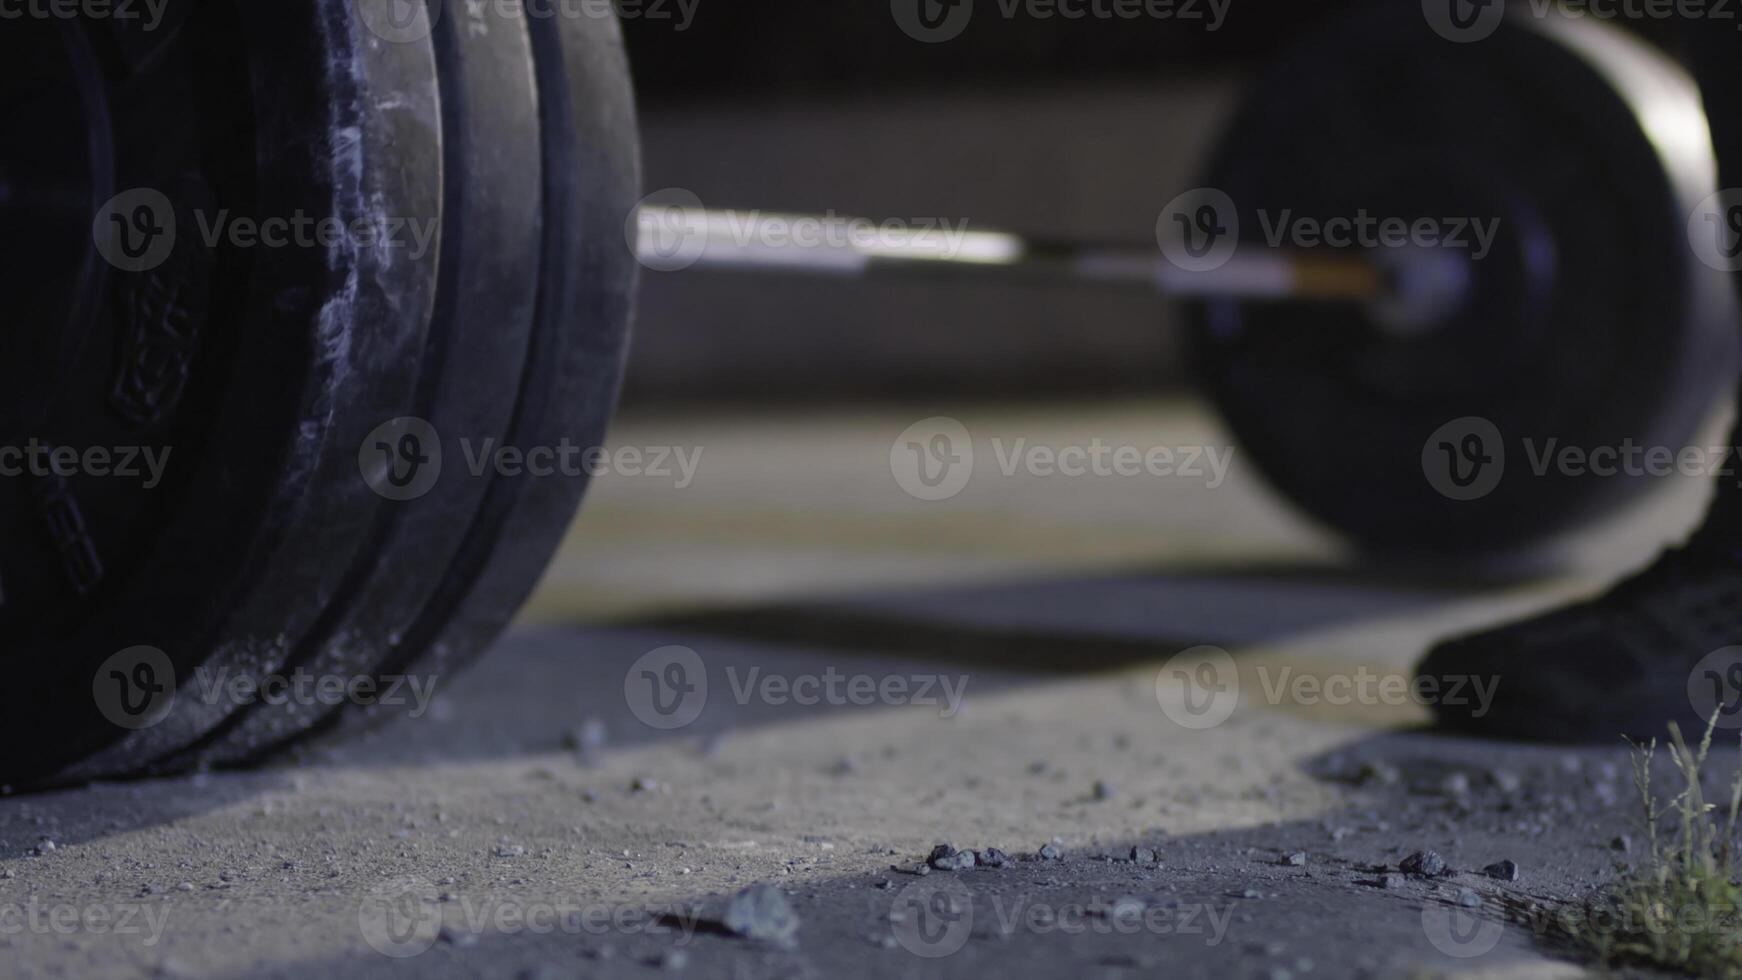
[
  {"x": 163, "y": 313},
  {"x": 64, "y": 522}
]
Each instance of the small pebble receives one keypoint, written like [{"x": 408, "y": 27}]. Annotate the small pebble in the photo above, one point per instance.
[
  {"x": 1425, "y": 864},
  {"x": 761, "y": 912},
  {"x": 1469, "y": 899},
  {"x": 1296, "y": 860},
  {"x": 1504, "y": 870},
  {"x": 946, "y": 858},
  {"x": 992, "y": 857},
  {"x": 1143, "y": 855},
  {"x": 1047, "y": 852}
]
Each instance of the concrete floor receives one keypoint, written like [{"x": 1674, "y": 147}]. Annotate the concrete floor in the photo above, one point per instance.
[{"x": 533, "y": 823}]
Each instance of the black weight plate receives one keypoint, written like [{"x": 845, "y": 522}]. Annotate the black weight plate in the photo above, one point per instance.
[
  {"x": 1590, "y": 323},
  {"x": 279, "y": 355},
  {"x": 491, "y": 238},
  {"x": 267, "y": 551},
  {"x": 580, "y": 338}
]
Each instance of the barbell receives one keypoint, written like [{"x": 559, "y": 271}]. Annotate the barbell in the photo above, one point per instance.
[{"x": 297, "y": 400}]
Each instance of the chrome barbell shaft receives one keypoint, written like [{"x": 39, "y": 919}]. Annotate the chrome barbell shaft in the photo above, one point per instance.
[{"x": 673, "y": 237}]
